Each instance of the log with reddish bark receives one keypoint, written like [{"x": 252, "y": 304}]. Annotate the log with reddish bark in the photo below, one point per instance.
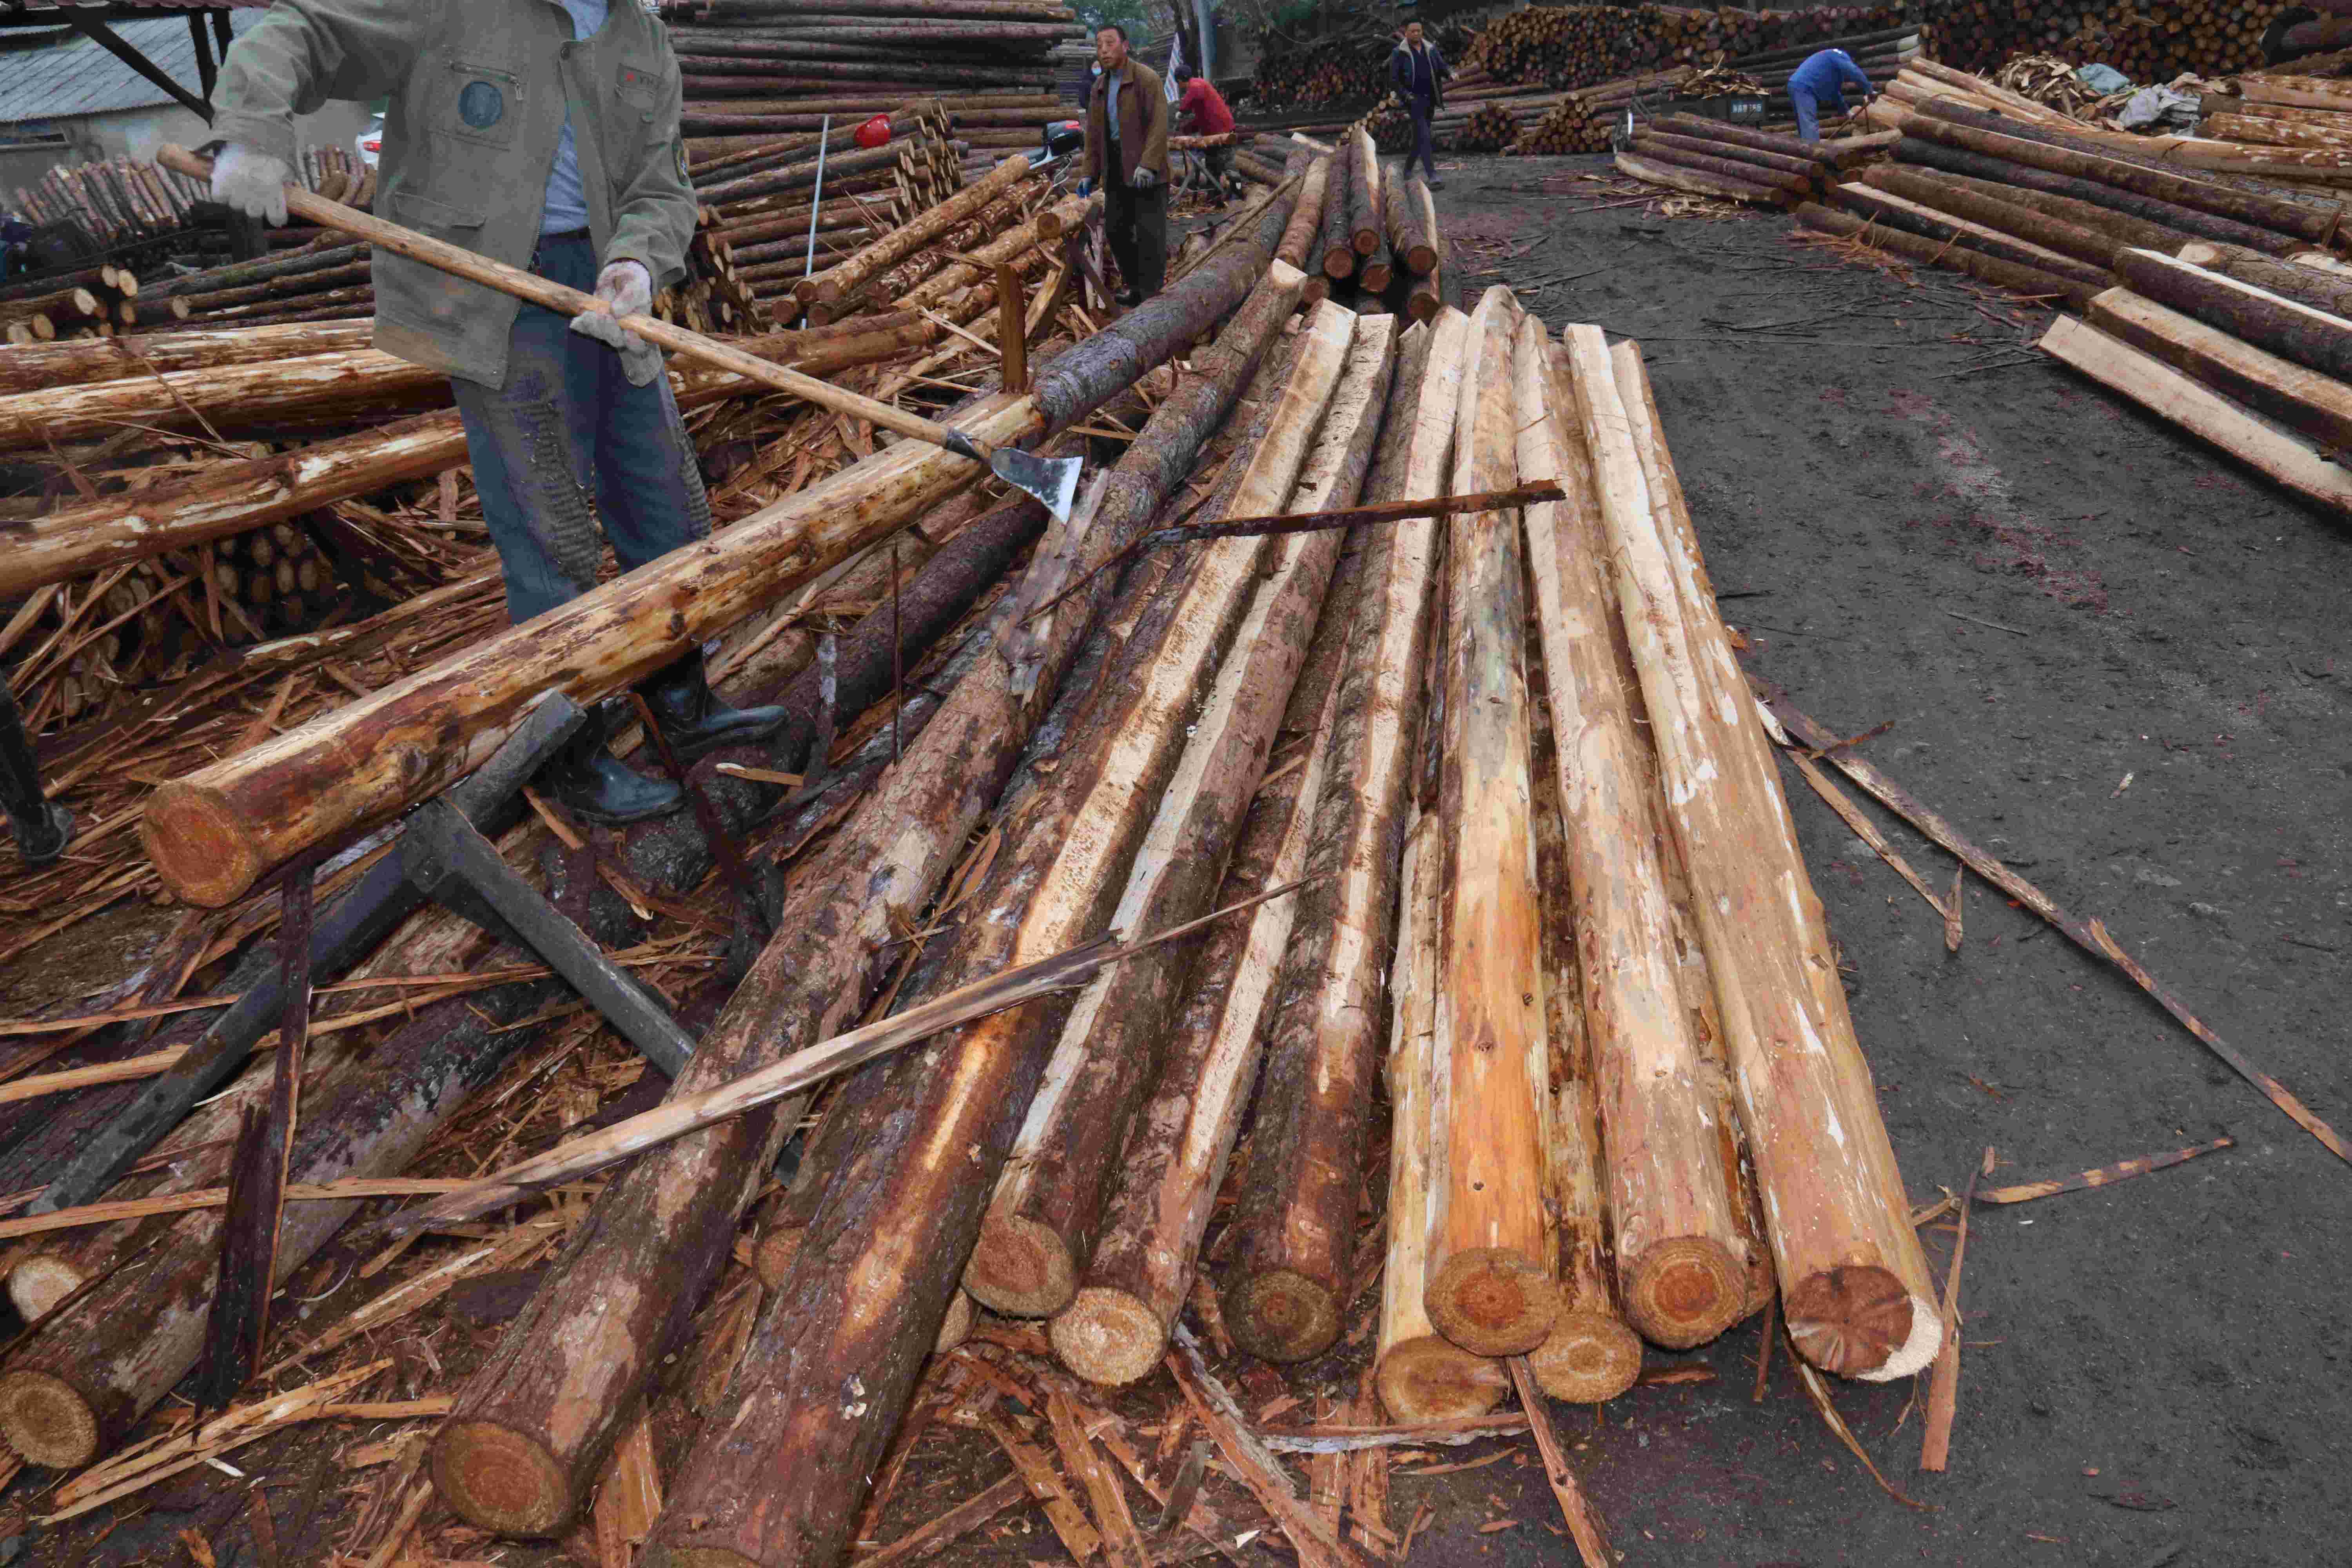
[
  {"x": 1854, "y": 1283},
  {"x": 1681, "y": 1255},
  {"x": 1410, "y": 246},
  {"x": 1041, "y": 1225},
  {"x": 934, "y": 223},
  {"x": 1295, "y": 1226},
  {"x": 919, "y": 1140},
  {"x": 2310, "y": 335},
  {"x": 1334, "y": 251},
  {"x": 1040, "y": 1222},
  {"x": 1490, "y": 1287},
  {"x": 1306, "y": 218},
  {"x": 1364, "y": 190},
  {"x": 531, "y": 1431}
]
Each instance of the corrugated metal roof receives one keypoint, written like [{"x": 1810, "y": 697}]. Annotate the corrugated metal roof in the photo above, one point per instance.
[{"x": 73, "y": 77}]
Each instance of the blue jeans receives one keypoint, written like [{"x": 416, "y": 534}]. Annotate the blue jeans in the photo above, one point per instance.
[
  {"x": 1420, "y": 108},
  {"x": 1809, "y": 113},
  {"x": 567, "y": 442}
]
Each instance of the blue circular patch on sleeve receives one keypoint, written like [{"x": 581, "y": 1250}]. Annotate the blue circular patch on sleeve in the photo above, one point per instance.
[{"x": 480, "y": 105}]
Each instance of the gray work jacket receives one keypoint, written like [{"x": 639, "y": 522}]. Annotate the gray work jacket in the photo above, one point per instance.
[{"x": 480, "y": 90}]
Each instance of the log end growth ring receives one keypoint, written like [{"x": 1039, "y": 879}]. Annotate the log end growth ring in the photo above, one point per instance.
[
  {"x": 1858, "y": 1321},
  {"x": 1109, "y": 1337},
  {"x": 46, "y": 1420},
  {"x": 772, "y": 1259},
  {"x": 1685, "y": 1291},
  {"x": 39, "y": 1283},
  {"x": 1020, "y": 1267},
  {"x": 1428, "y": 1379},
  {"x": 199, "y": 846},
  {"x": 1589, "y": 1358},
  {"x": 500, "y": 1480},
  {"x": 1282, "y": 1315},
  {"x": 1492, "y": 1301}
]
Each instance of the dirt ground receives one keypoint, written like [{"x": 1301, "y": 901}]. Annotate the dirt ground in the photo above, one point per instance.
[{"x": 2117, "y": 662}]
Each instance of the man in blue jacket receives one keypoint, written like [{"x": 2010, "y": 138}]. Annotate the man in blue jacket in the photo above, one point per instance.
[
  {"x": 1418, "y": 72},
  {"x": 1821, "y": 83}
]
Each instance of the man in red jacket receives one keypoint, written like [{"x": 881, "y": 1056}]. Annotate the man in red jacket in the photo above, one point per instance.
[{"x": 1201, "y": 111}]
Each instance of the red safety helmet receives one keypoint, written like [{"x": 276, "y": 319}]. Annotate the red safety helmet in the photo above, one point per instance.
[{"x": 875, "y": 133}]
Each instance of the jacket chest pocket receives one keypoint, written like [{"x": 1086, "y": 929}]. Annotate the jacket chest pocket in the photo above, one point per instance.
[
  {"x": 624, "y": 122},
  {"x": 479, "y": 103}
]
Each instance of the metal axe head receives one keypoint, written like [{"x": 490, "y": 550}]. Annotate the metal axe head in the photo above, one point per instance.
[{"x": 1053, "y": 480}]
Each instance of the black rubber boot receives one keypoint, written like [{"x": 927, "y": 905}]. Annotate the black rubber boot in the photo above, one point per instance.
[
  {"x": 693, "y": 717},
  {"x": 590, "y": 781}
]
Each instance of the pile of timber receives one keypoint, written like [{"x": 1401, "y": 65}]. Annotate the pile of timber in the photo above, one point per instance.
[
  {"x": 123, "y": 201},
  {"x": 1706, "y": 157},
  {"x": 2018, "y": 195},
  {"x": 1302, "y": 73},
  {"x": 1585, "y": 46},
  {"x": 1324, "y": 715},
  {"x": 2146, "y": 40},
  {"x": 781, "y": 66},
  {"x": 1366, "y": 234},
  {"x": 2303, "y": 117},
  {"x": 95, "y": 302}
]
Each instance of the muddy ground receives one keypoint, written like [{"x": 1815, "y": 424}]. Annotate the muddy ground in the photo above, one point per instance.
[{"x": 2120, "y": 663}]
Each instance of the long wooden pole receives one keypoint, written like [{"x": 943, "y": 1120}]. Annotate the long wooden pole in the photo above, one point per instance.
[
  {"x": 1681, "y": 1256},
  {"x": 1041, "y": 1224},
  {"x": 1295, "y": 1225},
  {"x": 1491, "y": 1287},
  {"x": 1853, "y": 1280}
]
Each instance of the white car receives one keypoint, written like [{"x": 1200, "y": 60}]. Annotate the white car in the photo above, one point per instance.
[{"x": 369, "y": 142}]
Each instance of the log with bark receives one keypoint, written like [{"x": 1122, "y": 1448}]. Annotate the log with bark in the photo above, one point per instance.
[
  {"x": 1040, "y": 1226},
  {"x": 2299, "y": 280},
  {"x": 1408, "y": 244},
  {"x": 2204, "y": 413},
  {"x": 1364, "y": 224},
  {"x": 2308, "y": 335},
  {"x": 1295, "y": 1225},
  {"x": 1334, "y": 254},
  {"x": 1948, "y": 195},
  {"x": 1427, "y": 296},
  {"x": 1306, "y": 223},
  {"x": 1854, "y": 1283},
  {"x": 1674, "y": 175},
  {"x": 230, "y": 395},
  {"x": 911, "y": 1148},
  {"x": 213, "y": 834},
  {"x": 2300, "y": 399},
  {"x": 1682, "y": 1253},
  {"x": 1116, "y": 1329},
  {"x": 2184, "y": 220},
  {"x": 40, "y": 366},
  {"x": 1490, "y": 1287},
  {"x": 845, "y": 279},
  {"x": 1885, "y": 209},
  {"x": 2029, "y": 281}
]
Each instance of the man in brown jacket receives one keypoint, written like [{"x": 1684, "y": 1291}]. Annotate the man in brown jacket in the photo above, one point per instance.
[{"x": 1127, "y": 149}]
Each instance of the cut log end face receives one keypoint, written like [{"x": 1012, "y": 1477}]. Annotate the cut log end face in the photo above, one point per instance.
[
  {"x": 500, "y": 1480},
  {"x": 39, "y": 1282},
  {"x": 1492, "y": 1301},
  {"x": 199, "y": 846},
  {"x": 1282, "y": 1315},
  {"x": 771, "y": 1260},
  {"x": 1021, "y": 1268},
  {"x": 956, "y": 1327},
  {"x": 1428, "y": 1379},
  {"x": 1685, "y": 1293},
  {"x": 46, "y": 1420},
  {"x": 1859, "y": 1322},
  {"x": 1109, "y": 1337},
  {"x": 1589, "y": 1358}
]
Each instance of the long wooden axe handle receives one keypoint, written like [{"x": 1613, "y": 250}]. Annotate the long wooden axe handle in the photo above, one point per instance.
[{"x": 534, "y": 290}]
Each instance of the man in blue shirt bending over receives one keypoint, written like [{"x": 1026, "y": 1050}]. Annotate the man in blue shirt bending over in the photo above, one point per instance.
[{"x": 1821, "y": 83}]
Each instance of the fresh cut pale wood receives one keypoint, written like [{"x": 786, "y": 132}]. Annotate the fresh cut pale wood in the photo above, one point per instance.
[{"x": 1491, "y": 1287}]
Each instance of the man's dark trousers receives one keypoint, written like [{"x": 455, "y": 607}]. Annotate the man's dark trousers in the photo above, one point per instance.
[
  {"x": 1136, "y": 223},
  {"x": 1420, "y": 108}
]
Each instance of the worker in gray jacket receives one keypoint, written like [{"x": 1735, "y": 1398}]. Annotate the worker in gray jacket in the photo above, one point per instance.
[{"x": 542, "y": 134}]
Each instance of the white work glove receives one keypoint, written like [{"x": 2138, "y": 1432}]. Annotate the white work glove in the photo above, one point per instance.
[
  {"x": 249, "y": 181},
  {"x": 623, "y": 288},
  {"x": 1144, "y": 180}
]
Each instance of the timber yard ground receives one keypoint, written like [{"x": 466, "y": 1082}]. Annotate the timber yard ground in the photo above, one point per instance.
[{"x": 2122, "y": 664}]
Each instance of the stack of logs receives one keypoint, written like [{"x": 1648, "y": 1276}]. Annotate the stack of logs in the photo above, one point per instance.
[
  {"x": 1703, "y": 157},
  {"x": 1308, "y": 73},
  {"x": 95, "y": 302},
  {"x": 2295, "y": 112},
  {"x": 781, "y": 66},
  {"x": 1364, "y": 232},
  {"x": 2146, "y": 40},
  {"x": 124, "y": 200},
  {"x": 2217, "y": 302},
  {"x": 1583, "y": 45},
  {"x": 1611, "y": 1045}
]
